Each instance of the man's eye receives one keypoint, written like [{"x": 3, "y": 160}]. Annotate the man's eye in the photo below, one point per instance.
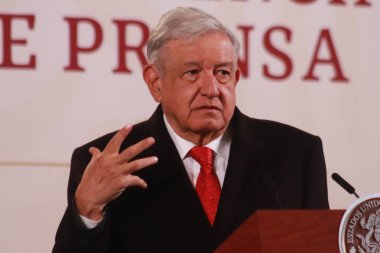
[
  {"x": 191, "y": 75},
  {"x": 223, "y": 75},
  {"x": 224, "y": 72},
  {"x": 192, "y": 72}
]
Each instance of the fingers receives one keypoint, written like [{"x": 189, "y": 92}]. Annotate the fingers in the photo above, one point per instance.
[
  {"x": 135, "y": 149},
  {"x": 132, "y": 180},
  {"x": 114, "y": 144},
  {"x": 138, "y": 164},
  {"x": 94, "y": 152},
  {"x": 110, "y": 166}
]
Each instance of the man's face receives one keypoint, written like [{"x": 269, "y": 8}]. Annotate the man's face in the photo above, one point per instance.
[{"x": 196, "y": 85}]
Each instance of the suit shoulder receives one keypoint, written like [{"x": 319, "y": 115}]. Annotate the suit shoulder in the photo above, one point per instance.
[
  {"x": 273, "y": 127},
  {"x": 273, "y": 131}
]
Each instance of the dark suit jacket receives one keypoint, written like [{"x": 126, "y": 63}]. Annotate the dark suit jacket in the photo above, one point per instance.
[{"x": 271, "y": 166}]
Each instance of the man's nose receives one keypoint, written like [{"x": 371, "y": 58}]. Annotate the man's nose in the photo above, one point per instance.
[{"x": 209, "y": 85}]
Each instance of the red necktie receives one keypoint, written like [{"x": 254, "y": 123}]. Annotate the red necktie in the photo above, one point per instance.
[{"x": 208, "y": 186}]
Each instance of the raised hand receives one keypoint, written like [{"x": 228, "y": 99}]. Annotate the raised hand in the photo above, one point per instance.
[{"x": 109, "y": 173}]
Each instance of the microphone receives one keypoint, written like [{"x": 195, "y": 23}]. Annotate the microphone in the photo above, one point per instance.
[
  {"x": 268, "y": 179},
  {"x": 344, "y": 184}
]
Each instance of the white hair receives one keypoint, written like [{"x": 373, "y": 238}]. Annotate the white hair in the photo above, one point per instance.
[{"x": 185, "y": 23}]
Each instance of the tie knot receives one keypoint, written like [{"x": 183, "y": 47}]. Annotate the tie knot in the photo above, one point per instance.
[{"x": 203, "y": 155}]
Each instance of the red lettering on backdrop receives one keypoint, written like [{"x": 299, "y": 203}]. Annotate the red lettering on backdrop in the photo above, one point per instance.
[
  {"x": 358, "y": 2},
  {"x": 304, "y": 1},
  {"x": 244, "y": 63},
  {"x": 363, "y": 3},
  {"x": 122, "y": 25},
  {"x": 333, "y": 60},
  {"x": 75, "y": 48},
  {"x": 8, "y": 41},
  {"x": 337, "y": 2},
  {"x": 268, "y": 44}
]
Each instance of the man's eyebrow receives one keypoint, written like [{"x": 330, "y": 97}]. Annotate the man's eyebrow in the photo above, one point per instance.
[
  {"x": 192, "y": 63},
  {"x": 224, "y": 64}
]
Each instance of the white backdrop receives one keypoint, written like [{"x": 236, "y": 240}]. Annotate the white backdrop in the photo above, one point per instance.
[{"x": 46, "y": 110}]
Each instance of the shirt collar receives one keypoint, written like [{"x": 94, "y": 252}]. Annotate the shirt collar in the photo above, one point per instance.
[{"x": 220, "y": 145}]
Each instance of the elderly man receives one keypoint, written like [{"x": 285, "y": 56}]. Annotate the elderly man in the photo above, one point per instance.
[{"x": 186, "y": 178}]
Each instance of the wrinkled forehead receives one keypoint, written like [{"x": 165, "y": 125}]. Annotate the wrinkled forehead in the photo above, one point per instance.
[{"x": 216, "y": 41}]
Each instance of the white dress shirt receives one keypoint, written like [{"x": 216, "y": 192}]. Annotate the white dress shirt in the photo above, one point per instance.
[{"x": 220, "y": 146}]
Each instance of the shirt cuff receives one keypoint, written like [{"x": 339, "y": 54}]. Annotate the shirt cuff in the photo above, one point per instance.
[{"x": 90, "y": 224}]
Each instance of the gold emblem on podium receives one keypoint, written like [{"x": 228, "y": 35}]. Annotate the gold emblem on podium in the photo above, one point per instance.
[{"x": 359, "y": 230}]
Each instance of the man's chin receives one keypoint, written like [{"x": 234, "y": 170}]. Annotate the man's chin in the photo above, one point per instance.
[{"x": 209, "y": 127}]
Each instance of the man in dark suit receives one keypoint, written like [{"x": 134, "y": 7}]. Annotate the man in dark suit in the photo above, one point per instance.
[{"x": 186, "y": 178}]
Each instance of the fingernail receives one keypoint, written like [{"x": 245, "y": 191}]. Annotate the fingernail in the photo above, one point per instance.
[{"x": 128, "y": 126}]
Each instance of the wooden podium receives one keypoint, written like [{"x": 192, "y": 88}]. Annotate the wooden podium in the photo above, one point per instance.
[{"x": 292, "y": 231}]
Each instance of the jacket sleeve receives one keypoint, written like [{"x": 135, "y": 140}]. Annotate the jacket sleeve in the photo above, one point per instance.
[{"x": 72, "y": 236}]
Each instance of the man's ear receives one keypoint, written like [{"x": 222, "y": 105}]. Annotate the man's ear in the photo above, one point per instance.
[
  {"x": 152, "y": 78},
  {"x": 237, "y": 76}
]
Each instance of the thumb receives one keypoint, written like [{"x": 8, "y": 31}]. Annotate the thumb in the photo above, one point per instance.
[{"x": 95, "y": 152}]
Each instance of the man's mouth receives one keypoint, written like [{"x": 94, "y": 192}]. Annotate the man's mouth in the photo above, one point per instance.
[{"x": 208, "y": 107}]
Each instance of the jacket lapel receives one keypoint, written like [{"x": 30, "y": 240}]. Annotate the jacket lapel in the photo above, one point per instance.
[
  {"x": 247, "y": 161},
  {"x": 170, "y": 173}
]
